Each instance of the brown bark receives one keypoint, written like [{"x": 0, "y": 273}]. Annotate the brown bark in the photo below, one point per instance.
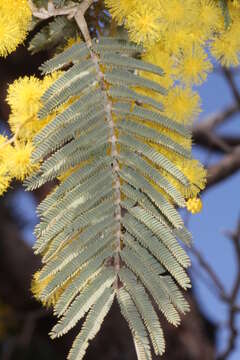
[{"x": 226, "y": 167}]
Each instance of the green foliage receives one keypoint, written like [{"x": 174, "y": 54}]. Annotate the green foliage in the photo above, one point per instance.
[
  {"x": 50, "y": 35},
  {"x": 90, "y": 251}
]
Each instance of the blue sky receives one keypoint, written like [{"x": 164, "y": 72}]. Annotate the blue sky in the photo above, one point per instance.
[{"x": 220, "y": 212}]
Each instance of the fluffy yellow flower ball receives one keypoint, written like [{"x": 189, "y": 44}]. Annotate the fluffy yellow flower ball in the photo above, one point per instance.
[
  {"x": 196, "y": 175},
  {"x": 182, "y": 104},
  {"x": 194, "y": 205},
  {"x": 120, "y": 9},
  {"x": 5, "y": 149},
  {"x": 15, "y": 17},
  {"x": 143, "y": 24},
  {"x": 24, "y": 99},
  {"x": 193, "y": 66},
  {"x": 226, "y": 48},
  {"x": 19, "y": 164}
]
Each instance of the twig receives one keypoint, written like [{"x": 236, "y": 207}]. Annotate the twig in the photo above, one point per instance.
[
  {"x": 233, "y": 309},
  {"x": 42, "y": 13},
  {"x": 205, "y": 141},
  {"x": 205, "y": 279},
  {"x": 230, "y": 299},
  {"x": 230, "y": 79},
  {"x": 80, "y": 20},
  {"x": 226, "y": 167},
  {"x": 213, "y": 276},
  {"x": 204, "y": 135},
  {"x": 212, "y": 121},
  {"x": 212, "y": 141},
  {"x": 70, "y": 11}
]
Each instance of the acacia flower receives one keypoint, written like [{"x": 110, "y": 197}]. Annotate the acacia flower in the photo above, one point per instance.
[
  {"x": 143, "y": 24},
  {"x": 193, "y": 66},
  {"x": 194, "y": 205},
  {"x": 15, "y": 17},
  {"x": 181, "y": 104},
  {"x": 19, "y": 164}
]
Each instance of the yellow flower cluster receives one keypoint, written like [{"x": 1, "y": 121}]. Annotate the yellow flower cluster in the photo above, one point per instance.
[
  {"x": 177, "y": 36},
  {"x": 15, "y": 17},
  {"x": 183, "y": 29},
  {"x": 24, "y": 99},
  {"x": 14, "y": 163}
]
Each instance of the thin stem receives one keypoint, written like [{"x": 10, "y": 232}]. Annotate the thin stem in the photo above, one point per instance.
[
  {"x": 80, "y": 20},
  {"x": 70, "y": 11},
  {"x": 42, "y": 13}
]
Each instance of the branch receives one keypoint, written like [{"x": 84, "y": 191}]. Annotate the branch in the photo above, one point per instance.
[
  {"x": 233, "y": 310},
  {"x": 70, "y": 11},
  {"x": 204, "y": 135},
  {"x": 212, "y": 121},
  {"x": 211, "y": 273},
  {"x": 81, "y": 22},
  {"x": 215, "y": 142},
  {"x": 226, "y": 167},
  {"x": 212, "y": 141},
  {"x": 231, "y": 82},
  {"x": 230, "y": 299},
  {"x": 42, "y": 13}
]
